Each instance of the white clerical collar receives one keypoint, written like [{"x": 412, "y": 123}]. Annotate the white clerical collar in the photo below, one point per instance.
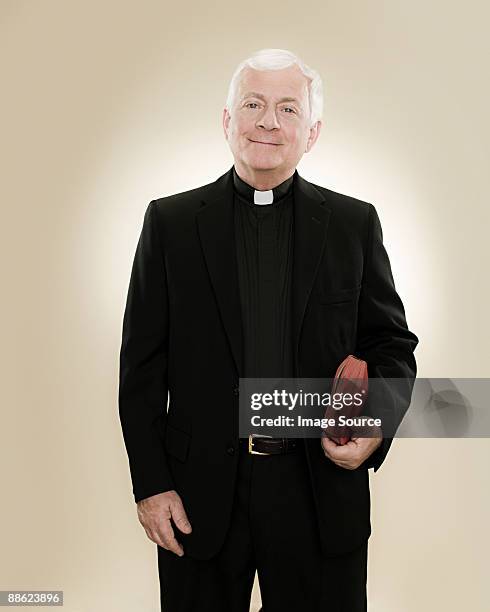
[
  {"x": 263, "y": 197},
  {"x": 254, "y": 196}
]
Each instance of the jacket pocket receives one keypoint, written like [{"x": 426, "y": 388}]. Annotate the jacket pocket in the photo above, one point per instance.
[
  {"x": 340, "y": 296},
  {"x": 177, "y": 443}
]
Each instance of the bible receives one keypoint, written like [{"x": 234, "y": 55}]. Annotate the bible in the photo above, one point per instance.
[{"x": 350, "y": 378}]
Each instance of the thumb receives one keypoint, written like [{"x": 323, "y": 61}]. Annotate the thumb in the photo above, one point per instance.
[{"x": 180, "y": 517}]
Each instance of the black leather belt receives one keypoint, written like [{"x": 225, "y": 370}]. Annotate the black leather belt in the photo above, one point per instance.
[{"x": 257, "y": 445}]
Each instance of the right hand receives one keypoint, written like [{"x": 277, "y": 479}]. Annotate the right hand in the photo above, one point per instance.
[{"x": 154, "y": 514}]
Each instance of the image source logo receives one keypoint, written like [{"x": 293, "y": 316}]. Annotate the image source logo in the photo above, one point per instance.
[{"x": 315, "y": 406}]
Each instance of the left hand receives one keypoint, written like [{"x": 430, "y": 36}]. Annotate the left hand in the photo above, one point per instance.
[{"x": 356, "y": 451}]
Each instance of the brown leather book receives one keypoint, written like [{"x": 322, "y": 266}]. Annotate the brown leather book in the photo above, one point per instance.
[{"x": 351, "y": 377}]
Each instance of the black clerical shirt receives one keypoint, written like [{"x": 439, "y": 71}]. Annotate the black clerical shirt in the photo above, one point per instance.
[{"x": 264, "y": 243}]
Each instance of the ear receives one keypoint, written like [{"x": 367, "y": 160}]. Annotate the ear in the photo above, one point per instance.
[
  {"x": 226, "y": 122},
  {"x": 314, "y": 133}
]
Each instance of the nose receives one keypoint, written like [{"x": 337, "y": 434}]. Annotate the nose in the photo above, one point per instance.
[{"x": 268, "y": 119}]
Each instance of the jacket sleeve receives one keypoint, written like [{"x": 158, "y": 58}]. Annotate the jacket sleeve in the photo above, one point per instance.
[
  {"x": 143, "y": 387},
  {"x": 384, "y": 340}
]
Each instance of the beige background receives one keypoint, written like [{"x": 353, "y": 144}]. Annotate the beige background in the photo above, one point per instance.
[{"x": 107, "y": 105}]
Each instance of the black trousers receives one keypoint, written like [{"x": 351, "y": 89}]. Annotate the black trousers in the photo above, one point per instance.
[{"x": 273, "y": 530}]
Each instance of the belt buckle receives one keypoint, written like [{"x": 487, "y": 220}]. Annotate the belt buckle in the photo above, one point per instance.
[{"x": 250, "y": 446}]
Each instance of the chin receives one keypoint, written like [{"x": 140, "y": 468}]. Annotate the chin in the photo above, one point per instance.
[{"x": 263, "y": 162}]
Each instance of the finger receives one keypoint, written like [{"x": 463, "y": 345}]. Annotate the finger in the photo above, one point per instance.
[
  {"x": 148, "y": 533},
  {"x": 345, "y": 456},
  {"x": 362, "y": 444},
  {"x": 155, "y": 537},
  {"x": 179, "y": 516},
  {"x": 343, "y": 452},
  {"x": 337, "y": 461},
  {"x": 166, "y": 533},
  {"x": 327, "y": 442},
  {"x": 338, "y": 451},
  {"x": 327, "y": 452},
  {"x": 328, "y": 445},
  {"x": 346, "y": 465}
]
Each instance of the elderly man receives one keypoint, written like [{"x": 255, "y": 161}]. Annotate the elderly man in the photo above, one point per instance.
[{"x": 258, "y": 274}]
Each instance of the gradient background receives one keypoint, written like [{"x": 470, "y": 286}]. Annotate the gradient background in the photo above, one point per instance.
[{"x": 107, "y": 105}]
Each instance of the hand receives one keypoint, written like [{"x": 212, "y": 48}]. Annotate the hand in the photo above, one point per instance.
[
  {"x": 154, "y": 514},
  {"x": 356, "y": 451}
]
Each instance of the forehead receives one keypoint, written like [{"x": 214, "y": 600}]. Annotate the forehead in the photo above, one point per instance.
[{"x": 287, "y": 82}]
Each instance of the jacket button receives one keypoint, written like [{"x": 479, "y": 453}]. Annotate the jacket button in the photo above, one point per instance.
[
  {"x": 230, "y": 450},
  {"x": 236, "y": 391}
]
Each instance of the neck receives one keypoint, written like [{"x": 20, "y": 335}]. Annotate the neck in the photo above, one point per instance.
[{"x": 262, "y": 180}]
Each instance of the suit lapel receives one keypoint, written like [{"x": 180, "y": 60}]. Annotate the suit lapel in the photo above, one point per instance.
[
  {"x": 217, "y": 234},
  {"x": 216, "y": 230},
  {"x": 311, "y": 218}
]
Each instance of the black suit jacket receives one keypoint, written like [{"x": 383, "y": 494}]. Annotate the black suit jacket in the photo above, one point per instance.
[{"x": 182, "y": 339}]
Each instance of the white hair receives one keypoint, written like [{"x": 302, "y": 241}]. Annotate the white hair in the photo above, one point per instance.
[{"x": 275, "y": 59}]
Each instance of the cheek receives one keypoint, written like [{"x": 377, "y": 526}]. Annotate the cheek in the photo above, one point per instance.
[
  {"x": 301, "y": 141},
  {"x": 243, "y": 124},
  {"x": 295, "y": 140},
  {"x": 237, "y": 129}
]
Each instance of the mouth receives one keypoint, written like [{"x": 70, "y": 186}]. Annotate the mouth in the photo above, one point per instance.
[{"x": 269, "y": 144}]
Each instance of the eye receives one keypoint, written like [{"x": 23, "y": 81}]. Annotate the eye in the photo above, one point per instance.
[
  {"x": 249, "y": 103},
  {"x": 290, "y": 108}
]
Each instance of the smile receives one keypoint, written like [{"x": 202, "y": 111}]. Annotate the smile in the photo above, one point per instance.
[{"x": 270, "y": 144}]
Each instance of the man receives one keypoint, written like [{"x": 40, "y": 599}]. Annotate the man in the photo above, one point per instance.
[{"x": 258, "y": 274}]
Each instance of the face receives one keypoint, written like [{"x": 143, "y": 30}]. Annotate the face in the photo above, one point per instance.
[{"x": 268, "y": 128}]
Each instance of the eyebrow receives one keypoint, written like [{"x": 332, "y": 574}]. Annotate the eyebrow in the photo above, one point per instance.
[{"x": 254, "y": 94}]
